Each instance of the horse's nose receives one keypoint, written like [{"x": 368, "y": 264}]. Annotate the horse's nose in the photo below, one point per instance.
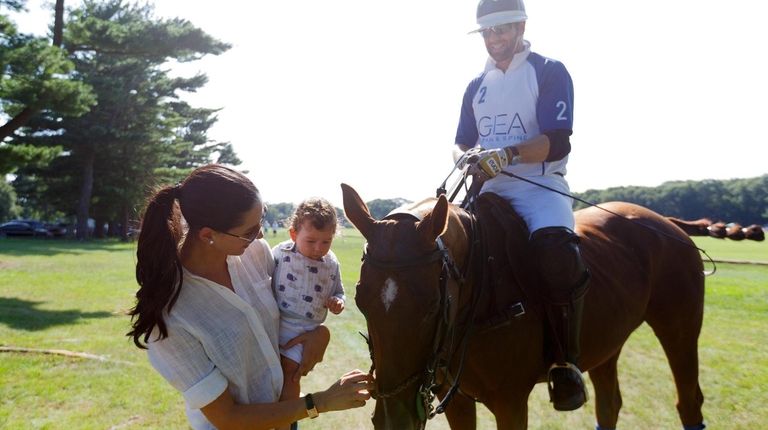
[{"x": 392, "y": 414}]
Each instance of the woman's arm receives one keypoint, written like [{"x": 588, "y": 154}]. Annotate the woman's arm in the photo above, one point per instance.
[{"x": 351, "y": 391}]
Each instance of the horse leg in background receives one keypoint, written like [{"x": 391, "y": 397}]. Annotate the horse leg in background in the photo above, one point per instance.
[
  {"x": 461, "y": 412},
  {"x": 607, "y": 393},
  {"x": 680, "y": 344},
  {"x": 677, "y": 327},
  {"x": 511, "y": 413}
]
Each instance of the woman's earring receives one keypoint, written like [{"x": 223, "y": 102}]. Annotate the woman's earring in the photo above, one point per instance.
[{"x": 210, "y": 242}]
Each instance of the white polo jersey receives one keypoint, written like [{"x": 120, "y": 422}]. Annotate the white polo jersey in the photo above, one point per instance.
[
  {"x": 501, "y": 109},
  {"x": 505, "y": 108}
]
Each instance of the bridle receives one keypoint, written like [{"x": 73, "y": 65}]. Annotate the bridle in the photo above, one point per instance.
[{"x": 450, "y": 283}]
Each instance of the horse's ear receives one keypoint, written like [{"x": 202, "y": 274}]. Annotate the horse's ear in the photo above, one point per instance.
[
  {"x": 356, "y": 211},
  {"x": 435, "y": 223}
]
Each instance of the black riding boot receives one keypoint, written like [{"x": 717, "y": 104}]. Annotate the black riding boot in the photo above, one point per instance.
[
  {"x": 567, "y": 391},
  {"x": 565, "y": 279}
]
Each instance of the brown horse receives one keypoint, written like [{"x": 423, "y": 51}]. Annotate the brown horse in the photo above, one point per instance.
[
  {"x": 754, "y": 232},
  {"x": 427, "y": 319},
  {"x": 720, "y": 230}
]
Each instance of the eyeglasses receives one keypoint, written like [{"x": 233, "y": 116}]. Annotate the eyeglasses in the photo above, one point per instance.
[
  {"x": 497, "y": 30},
  {"x": 248, "y": 239},
  {"x": 256, "y": 230}
]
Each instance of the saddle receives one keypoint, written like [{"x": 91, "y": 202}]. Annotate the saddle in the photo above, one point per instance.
[{"x": 506, "y": 272}]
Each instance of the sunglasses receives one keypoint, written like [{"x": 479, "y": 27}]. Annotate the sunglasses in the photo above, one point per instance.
[
  {"x": 251, "y": 236},
  {"x": 247, "y": 239},
  {"x": 497, "y": 30}
]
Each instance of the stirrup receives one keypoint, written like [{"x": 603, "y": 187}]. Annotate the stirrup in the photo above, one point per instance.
[{"x": 550, "y": 385}]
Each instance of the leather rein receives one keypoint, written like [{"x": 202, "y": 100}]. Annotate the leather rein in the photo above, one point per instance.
[{"x": 450, "y": 283}]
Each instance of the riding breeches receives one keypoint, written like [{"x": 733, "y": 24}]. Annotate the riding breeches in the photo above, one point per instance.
[{"x": 538, "y": 206}]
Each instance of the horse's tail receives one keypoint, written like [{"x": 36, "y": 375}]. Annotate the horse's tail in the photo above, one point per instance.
[{"x": 720, "y": 230}]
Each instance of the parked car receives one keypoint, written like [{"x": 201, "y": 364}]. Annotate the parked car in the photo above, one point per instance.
[
  {"x": 24, "y": 228},
  {"x": 57, "y": 229}
]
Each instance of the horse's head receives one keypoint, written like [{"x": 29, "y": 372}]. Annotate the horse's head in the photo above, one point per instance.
[
  {"x": 754, "y": 232},
  {"x": 402, "y": 298}
]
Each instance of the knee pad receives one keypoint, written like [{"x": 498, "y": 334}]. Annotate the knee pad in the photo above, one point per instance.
[{"x": 559, "y": 263}]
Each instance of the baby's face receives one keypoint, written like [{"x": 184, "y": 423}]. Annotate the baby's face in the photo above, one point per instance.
[{"x": 311, "y": 242}]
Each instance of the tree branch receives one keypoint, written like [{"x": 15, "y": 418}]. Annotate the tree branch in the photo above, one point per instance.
[
  {"x": 25, "y": 115},
  {"x": 63, "y": 352},
  {"x": 19, "y": 120}
]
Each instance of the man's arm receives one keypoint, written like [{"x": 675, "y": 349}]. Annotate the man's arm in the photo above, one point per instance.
[{"x": 549, "y": 146}]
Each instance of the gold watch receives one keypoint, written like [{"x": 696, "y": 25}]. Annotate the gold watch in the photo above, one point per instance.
[{"x": 311, "y": 408}]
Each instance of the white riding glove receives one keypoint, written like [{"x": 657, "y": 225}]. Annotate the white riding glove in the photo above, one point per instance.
[
  {"x": 490, "y": 161},
  {"x": 463, "y": 158}
]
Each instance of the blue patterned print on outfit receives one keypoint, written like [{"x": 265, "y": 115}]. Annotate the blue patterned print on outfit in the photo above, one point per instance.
[{"x": 304, "y": 285}]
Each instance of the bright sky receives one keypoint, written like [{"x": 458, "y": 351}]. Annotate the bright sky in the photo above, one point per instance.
[{"x": 318, "y": 93}]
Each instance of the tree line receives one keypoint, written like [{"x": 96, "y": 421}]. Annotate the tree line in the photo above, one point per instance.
[
  {"x": 277, "y": 214},
  {"x": 92, "y": 119},
  {"x": 744, "y": 201}
]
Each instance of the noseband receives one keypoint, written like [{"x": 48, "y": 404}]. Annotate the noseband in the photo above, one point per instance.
[{"x": 446, "y": 324}]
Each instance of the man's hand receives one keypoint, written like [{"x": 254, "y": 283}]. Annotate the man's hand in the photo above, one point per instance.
[
  {"x": 489, "y": 161},
  {"x": 462, "y": 158},
  {"x": 334, "y": 304}
]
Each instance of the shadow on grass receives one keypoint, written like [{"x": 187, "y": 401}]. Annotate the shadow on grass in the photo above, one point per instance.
[
  {"x": 24, "y": 315},
  {"x": 18, "y": 247}
]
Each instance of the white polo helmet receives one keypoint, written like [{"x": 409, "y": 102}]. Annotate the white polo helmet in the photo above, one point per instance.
[{"x": 496, "y": 12}]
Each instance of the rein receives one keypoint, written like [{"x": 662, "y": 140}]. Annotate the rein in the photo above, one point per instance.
[
  {"x": 595, "y": 205},
  {"x": 450, "y": 284},
  {"x": 474, "y": 191}
]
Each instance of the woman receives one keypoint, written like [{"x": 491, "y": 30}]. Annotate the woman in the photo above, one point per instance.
[{"x": 205, "y": 310}]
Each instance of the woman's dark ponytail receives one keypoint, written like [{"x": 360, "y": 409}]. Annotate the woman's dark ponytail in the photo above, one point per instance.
[
  {"x": 158, "y": 268},
  {"x": 211, "y": 196}
]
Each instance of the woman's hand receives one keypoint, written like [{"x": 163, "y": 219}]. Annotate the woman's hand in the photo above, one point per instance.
[
  {"x": 351, "y": 391},
  {"x": 314, "y": 342}
]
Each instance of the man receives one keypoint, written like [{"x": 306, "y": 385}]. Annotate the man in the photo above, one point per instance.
[{"x": 519, "y": 111}]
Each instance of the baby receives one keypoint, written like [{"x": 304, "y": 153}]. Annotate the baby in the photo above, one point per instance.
[{"x": 306, "y": 282}]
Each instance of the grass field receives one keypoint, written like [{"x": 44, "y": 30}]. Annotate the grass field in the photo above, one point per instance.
[{"x": 73, "y": 296}]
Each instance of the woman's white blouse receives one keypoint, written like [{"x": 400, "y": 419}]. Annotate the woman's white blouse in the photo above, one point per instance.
[{"x": 217, "y": 338}]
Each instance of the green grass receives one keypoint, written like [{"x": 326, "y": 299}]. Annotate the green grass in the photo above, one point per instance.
[
  {"x": 70, "y": 295},
  {"x": 726, "y": 249}
]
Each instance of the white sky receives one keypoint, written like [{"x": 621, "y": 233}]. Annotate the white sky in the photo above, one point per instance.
[{"x": 319, "y": 93}]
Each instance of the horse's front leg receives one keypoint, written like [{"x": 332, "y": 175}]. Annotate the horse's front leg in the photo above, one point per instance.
[
  {"x": 461, "y": 412},
  {"x": 511, "y": 413}
]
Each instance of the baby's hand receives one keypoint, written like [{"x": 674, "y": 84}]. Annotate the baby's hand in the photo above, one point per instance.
[{"x": 335, "y": 305}]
